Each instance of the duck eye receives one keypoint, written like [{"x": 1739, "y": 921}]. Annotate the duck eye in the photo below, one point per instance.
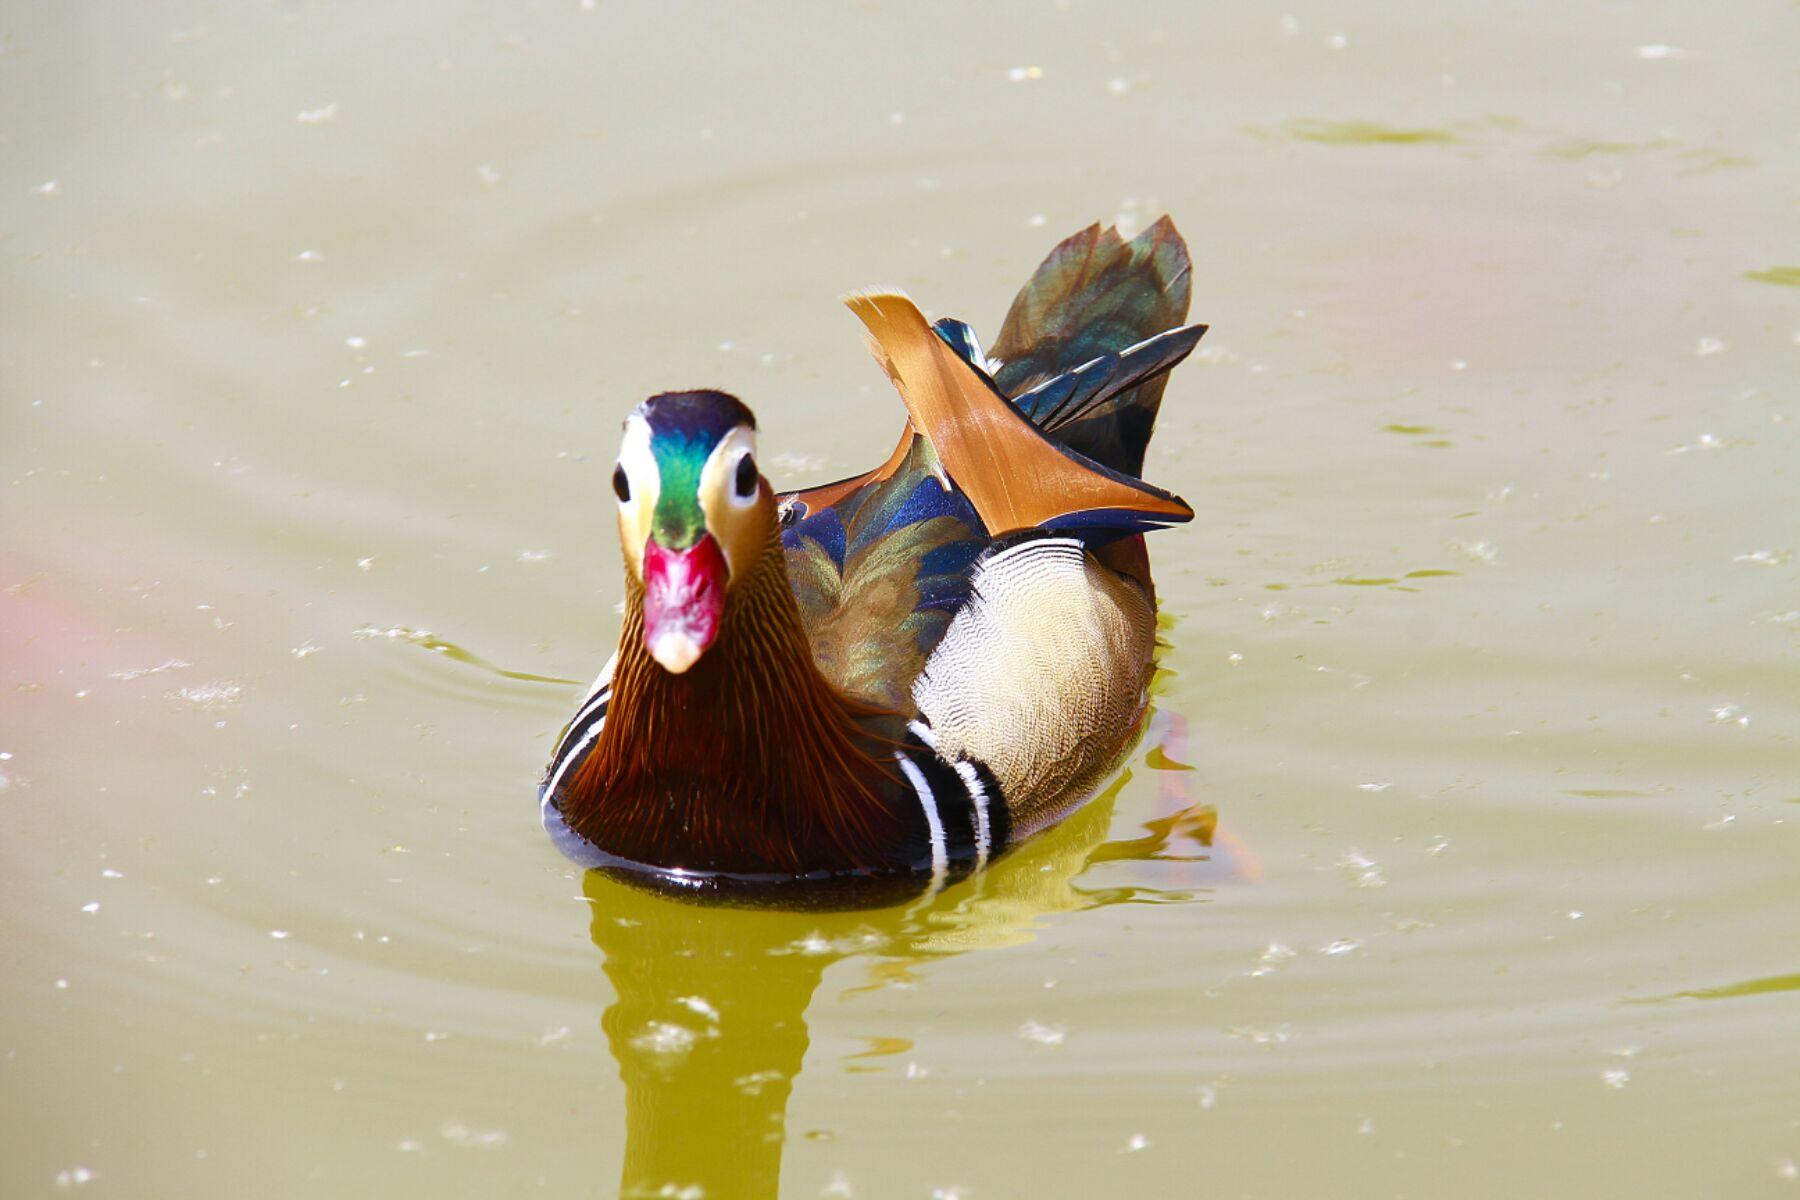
[
  {"x": 745, "y": 483},
  {"x": 621, "y": 484}
]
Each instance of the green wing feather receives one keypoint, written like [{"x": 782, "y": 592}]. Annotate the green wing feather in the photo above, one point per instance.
[{"x": 905, "y": 548}]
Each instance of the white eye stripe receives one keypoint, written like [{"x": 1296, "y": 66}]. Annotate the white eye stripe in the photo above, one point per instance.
[
  {"x": 722, "y": 465},
  {"x": 639, "y": 464}
]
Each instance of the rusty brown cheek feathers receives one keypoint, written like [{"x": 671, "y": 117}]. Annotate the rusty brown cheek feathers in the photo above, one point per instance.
[{"x": 746, "y": 762}]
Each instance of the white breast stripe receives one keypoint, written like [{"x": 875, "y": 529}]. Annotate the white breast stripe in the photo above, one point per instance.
[
  {"x": 923, "y": 731},
  {"x": 978, "y": 798},
  {"x": 570, "y": 756},
  {"x": 940, "y": 856},
  {"x": 595, "y": 701}
]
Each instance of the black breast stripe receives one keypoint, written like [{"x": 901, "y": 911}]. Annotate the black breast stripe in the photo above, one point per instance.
[
  {"x": 575, "y": 743},
  {"x": 999, "y": 818},
  {"x": 965, "y": 792},
  {"x": 954, "y": 804}
]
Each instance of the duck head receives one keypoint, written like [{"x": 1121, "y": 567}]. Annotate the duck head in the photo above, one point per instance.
[{"x": 694, "y": 515}]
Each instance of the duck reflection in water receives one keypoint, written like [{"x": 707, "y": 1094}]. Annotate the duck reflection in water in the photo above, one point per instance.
[{"x": 708, "y": 1024}]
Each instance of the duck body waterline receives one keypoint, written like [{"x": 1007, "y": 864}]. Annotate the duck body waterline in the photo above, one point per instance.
[{"x": 872, "y": 688}]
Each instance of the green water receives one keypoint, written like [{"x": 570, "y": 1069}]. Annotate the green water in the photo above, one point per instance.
[{"x": 1459, "y": 860}]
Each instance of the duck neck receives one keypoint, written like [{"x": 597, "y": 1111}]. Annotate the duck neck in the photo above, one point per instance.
[{"x": 749, "y": 761}]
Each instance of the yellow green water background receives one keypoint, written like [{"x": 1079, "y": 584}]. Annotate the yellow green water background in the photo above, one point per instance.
[{"x": 1462, "y": 857}]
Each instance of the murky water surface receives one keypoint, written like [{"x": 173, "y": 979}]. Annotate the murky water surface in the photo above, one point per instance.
[{"x": 1460, "y": 858}]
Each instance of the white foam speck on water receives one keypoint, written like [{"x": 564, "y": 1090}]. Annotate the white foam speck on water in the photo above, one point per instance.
[
  {"x": 1659, "y": 52},
  {"x": 74, "y": 1177},
  {"x": 1272, "y": 957},
  {"x": 397, "y": 633},
  {"x": 754, "y": 1083},
  {"x": 1730, "y": 714},
  {"x": 1363, "y": 871},
  {"x": 816, "y": 943},
  {"x": 1341, "y": 946},
  {"x": 410, "y": 1146},
  {"x": 1615, "y": 1078},
  {"x": 433, "y": 1035},
  {"x": 279, "y": 935},
  {"x": 1134, "y": 1143},
  {"x": 1482, "y": 552},
  {"x": 552, "y": 1036},
  {"x": 460, "y": 1134},
  {"x": 1706, "y": 347},
  {"x": 92, "y": 906},
  {"x": 488, "y": 174},
  {"x": 1208, "y": 1096},
  {"x": 305, "y": 649},
  {"x": 1043, "y": 1035},
  {"x": 1024, "y": 74},
  {"x": 210, "y": 696},
  {"x": 665, "y": 1037},
  {"x": 699, "y": 1005},
  {"x": 316, "y": 116},
  {"x": 789, "y": 463},
  {"x": 1761, "y": 558},
  {"x": 1373, "y": 787},
  {"x": 1337, "y": 41},
  {"x": 1788, "y": 1169},
  {"x": 172, "y": 664},
  {"x": 838, "y": 1189},
  {"x": 1723, "y": 822},
  {"x": 49, "y": 187},
  {"x": 109, "y": 873}
]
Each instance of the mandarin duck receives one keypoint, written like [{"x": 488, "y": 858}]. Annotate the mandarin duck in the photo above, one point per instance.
[{"x": 874, "y": 687}]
